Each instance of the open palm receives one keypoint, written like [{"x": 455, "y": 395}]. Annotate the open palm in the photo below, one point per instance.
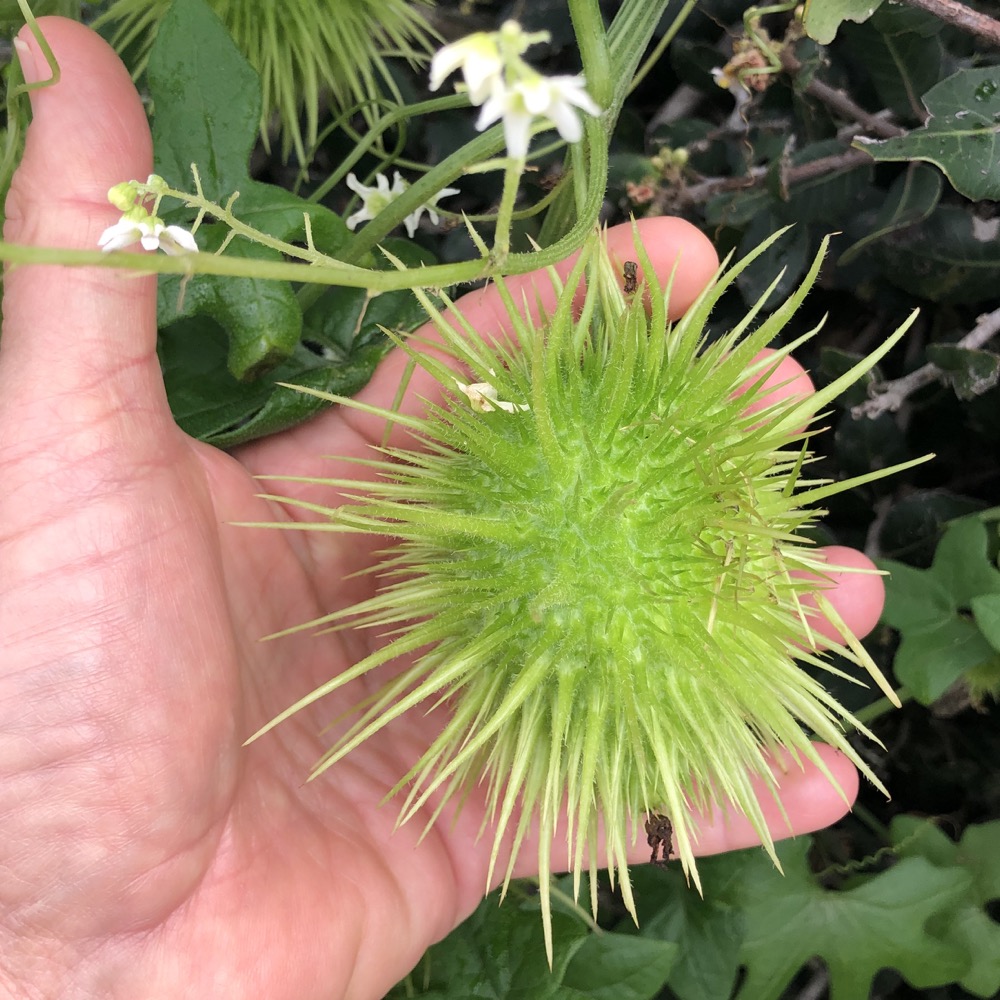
[{"x": 145, "y": 851}]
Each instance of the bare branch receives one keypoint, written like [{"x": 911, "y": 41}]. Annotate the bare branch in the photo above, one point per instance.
[
  {"x": 962, "y": 17},
  {"x": 838, "y": 101},
  {"x": 891, "y": 395}
]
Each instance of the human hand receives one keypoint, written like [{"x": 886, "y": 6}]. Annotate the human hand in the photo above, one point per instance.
[{"x": 145, "y": 851}]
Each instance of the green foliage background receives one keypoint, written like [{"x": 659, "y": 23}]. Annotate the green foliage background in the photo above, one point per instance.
[{"x": 901, "y": 897}]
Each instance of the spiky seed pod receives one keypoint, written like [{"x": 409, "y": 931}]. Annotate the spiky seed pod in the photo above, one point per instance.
[
  {"x": 599, "y": 560},
  {"x": 299, "y": 49}
]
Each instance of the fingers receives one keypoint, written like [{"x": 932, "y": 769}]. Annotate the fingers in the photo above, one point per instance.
[
  {"x": 675, "y": 247},
  {"x": 808, "y": 801},
  {"x": 72, "y": 330},
  {"x": 857, "y": 597}
]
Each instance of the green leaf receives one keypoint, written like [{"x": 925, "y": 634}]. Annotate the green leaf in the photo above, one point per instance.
[
  {"x": 967, "y": 924},
  {"x": 208, "y": 403},
  {"x": 962, "y": 136},
  {"x": 881, "y": 923},
  {"x": 970, "y": 373},
  {"x": 986, "y": 609},
  {"x": 263, "y": 318},
  {"x": 707, "y": 930},
  {"x": 788, "y": 257},
  {"x": 933, "y": 611},
  {"x": 834, "y": 362},
  {"x": 498, "y": 953},
  {"x": 618, "y": 967},
  {"x": 206, "y": 98},
  {"x": 344, "y": 344},
  {"x": 913, "y": 526},
  {"x": 930, "y": 660},
  {"x": 207, "y": 101},
  {"x": 952, "y": 257},
  {"x": 911, "y": 199},
  {"x": 864, "y": 445},
  {"x": 822, "y": 18},
  {"x": 903, "y": 59}
]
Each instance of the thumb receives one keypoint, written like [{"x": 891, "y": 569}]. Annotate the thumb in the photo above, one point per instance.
[{"x": 77, "y": 335}]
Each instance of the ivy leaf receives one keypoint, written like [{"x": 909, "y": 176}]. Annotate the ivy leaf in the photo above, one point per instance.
[
  {"x": 822, "y": 18},
  {"x": 883, "y": 922},
  {"x": 968, "y": 925},
  {"x": 933, "y": 610},
  {"x": 962, "y": 135}
]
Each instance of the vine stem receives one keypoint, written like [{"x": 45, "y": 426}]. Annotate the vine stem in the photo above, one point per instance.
[{"x": 962, "y": 17}]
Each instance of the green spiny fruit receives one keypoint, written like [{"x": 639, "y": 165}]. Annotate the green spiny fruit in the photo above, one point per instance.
[
  {"x": 299, "y": 48},
  {"x": 599, "y": 560}
]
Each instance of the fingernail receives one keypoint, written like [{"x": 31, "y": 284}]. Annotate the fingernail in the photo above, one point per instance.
[{"x": 26, "y": 57}]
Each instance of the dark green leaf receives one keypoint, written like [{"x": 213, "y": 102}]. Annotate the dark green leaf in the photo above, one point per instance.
[
  {"x": 618, "y": 967},
  {"x": 207, "y": 100},
  {"x": 970, "y": 373},
  {"x": 787, "y": 257},
  {"x": 834, "y": 362},
  {"x": 498, "y": 953},
  {"x": 962, "y": 135},
  {"x": 903, "y": 63},
  {"x": 986, "y": 610},
  {"x": 211, "y": 405},
  {"x": 707, "y": 930},
  {"x": 913, "y": 526},
  {"x": 951, "y": 257},
  {"x": 911, "y": 199},
  {"x": 262, "y": 318},
  {"x": 863, "y": 445}
]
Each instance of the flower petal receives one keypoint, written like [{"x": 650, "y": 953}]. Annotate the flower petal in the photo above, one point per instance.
[{"x": 176, "y": 241}]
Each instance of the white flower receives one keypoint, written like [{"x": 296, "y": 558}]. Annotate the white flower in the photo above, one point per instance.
[
  {"x": 535, "y": 96},
  {"x": 137, "y": 226},
  {"x": 376, "y": 199},
  {"x": 480, "y": 60},
  {"x": 483, "y": 398}
]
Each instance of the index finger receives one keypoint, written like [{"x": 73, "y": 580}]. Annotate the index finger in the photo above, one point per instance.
[{"x": 680, "y": 253}]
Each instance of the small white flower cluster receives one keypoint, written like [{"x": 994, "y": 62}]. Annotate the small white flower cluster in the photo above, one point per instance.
[
  {"x": 139, "y": 225},
  {"x": 508, "y": 89},
  {"x": 375, "y": 199}
]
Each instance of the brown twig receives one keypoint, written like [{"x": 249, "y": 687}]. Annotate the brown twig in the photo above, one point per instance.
[
  {"x": 838, "y": 101},
  {"x": 962, "y": 17},
  {"x": 891, "y": 395},
  {"x": 711, "y": 186}
]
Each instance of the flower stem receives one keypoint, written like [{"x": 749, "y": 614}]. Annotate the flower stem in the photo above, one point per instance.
[{"x": 501, "y": 239}]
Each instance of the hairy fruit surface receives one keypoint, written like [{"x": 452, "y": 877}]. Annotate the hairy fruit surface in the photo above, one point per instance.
[{"x": 597, "y": 557}]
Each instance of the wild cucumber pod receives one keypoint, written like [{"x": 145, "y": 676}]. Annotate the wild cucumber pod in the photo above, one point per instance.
[{"x": 599, "y": 563}]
